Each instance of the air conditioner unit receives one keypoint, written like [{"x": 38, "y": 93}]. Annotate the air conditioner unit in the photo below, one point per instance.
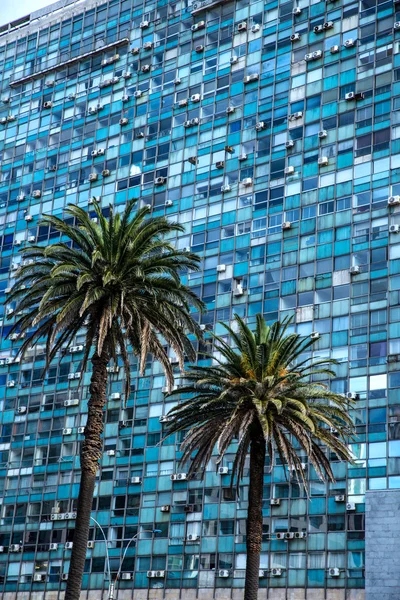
[
  {"x": 67, "y": 431},
  {"x": 69, "y": 545},
  {"x": 242, "y": 157},
  {"x": 53, "y": 546},
  {"x": 31, "y": 239},
  {"x": 276, "y": 572},
  {"x": 71, "y": 376},
  {"x": 334, "y": 572},
  {"x": 247, "y": 181},
  {"x": 223, "y": 573},
  {"x": 90, "y": 544},
  {"x": 135, "y": 480},
  {"x": 354, "y": 270},
  {"x": 396, "y": 25},
  {"x": 250, "y": 78},
  {"x": 334, "y": 49},
  {"x": 275, "y": 502},
  {"x": 322, "y": 134},
  {"x": 74, "y": 402},
  {"x": 110, "y": 452},
  {"x": 178, "y": 477},
  {"x": 229, "y": 149},
  {"x": 393, "y": 200},
  {"x": 11, "y": 383},
  {"x": 177, "y": 81},
  {"x": 192, "y": 160},
  {"x": 81, "y": 430},
  {"x": 329, "y": 25},
  {"x": 314, "y": 335},
  {"x": 289, "y": 170},
  {"x": 255, "y": 28},
  {"x": 166, "y": 508},
  {"x": 192, "y": 537},
  {"x": 21, "y": 410},
  {"x": 126, "y": 576},
  {"x": 20, "y": 197},
  {"x": 106, "y": 172},
  {"x": 295, "y": 116},
  {"x": 195, "y": 98},
  {"x": 64, "y": 576},
  {"x": 349, "y": 43},
  {"x": 126, "y": 74},
  {"x": 37, "y": 193},
  {"x": 225, "y": 188},
  {"x": 223, "y": 470},
  {"x": 318, "y": 29},
  {"x": 124, "y": 121},
  {"x": 350, "y": 506},
  {"x": 137, "y": 94},
  {"x": 233, "y": 60},
  {"x": 199, "y": 49},
  {"x": 289, "y": 535},
  {"x": 15, "y": 548},
  {"x": 323, "y": 161},
  {"x": 183, "y": 102},
  {"x": 148, "y": 46},
  {"x": 47, "y": 104},
  {"x": 286, "y": 225},
  {"x": 230, "y": 110},
  {"x": 308, "y": 57},
  {"x": 74, "y": 349},
  {"x": 160, "y": 180},
  {"x": 13, "y": 337},
  {"x": 300, "y": 535},
  {"x": 340, "y": 498},
  {"x": 353, "y": 396},
  {"x": 135, "y": 50},
  {"x": 194, "y": 121},
  {"x": 220, "y": 164},
  {"x": 11, "y": 118},
  {"x": 296, "y": 11},
  {"x": 394, "y": 228},
  {"x": 158, "y": 574},
  {"x": 39, "y": 577},
  {"x": 289, "y": 144},
  {"x": 221, "y": 268},
  {"x": 93, "y": 177},
  {"x": 144, "y": 24},
  {"x": 260, "y": 126},
  {"x": 295, "y": 37},
  {"x": 168, "y": 203},
  {"x": 145, "y": 68},
  {"x": 293, "y": 468},
  {"x": 198, "y": 26}
]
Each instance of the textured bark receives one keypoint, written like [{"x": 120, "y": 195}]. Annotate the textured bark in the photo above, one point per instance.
[
  {"x": 91, "y": 451},
  {"x": 254, "y": 517}
]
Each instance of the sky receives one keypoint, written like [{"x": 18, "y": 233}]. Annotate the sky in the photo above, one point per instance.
[{"x": 14, "y": 9}]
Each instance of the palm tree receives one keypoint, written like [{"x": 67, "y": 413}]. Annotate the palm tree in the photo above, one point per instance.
[
  {"x": 266, "y": 396},
  {"x": 117, "y": 280}
]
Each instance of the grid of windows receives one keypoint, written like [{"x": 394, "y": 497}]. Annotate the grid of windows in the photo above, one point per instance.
[{"x": 271, "y": 131}]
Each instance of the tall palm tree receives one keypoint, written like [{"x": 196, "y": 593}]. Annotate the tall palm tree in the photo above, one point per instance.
[
  {"x": 118, "y": 280},
  {"x": 264, "y": 395}
]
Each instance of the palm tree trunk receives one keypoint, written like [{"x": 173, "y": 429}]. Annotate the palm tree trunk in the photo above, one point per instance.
[
  {"x": 91, "y": 451},
  {"x": 254, "y": 517}
]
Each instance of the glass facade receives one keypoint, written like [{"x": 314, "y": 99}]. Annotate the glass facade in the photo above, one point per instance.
[{"x": 271, "y": 131}]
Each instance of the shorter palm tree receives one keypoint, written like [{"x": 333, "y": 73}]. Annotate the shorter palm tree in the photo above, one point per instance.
[{"x": 264, "y": 396}]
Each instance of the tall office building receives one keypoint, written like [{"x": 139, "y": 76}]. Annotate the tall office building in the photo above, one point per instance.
[{"x": 271, "y": 130}]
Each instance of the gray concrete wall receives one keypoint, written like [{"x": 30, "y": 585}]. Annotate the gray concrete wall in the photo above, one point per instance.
[{"x": 382, "y": 545}]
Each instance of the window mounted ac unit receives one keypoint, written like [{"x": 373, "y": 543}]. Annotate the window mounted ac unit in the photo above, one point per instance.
[
  {"x": 223, "y": 573},
  {"x": 183, "y": 102},
  {"x": 238, "y": 291},
  {"x": 168, "y": 203},
  {"x": 295, "y": 37},
  {"x": 177, "y": 81},
  {"x": 225, "y": 188},
  {"x": 394, "y": 228},
  {"x": 223, "y": 470},
  {"x": 3, "y": 120},
  {"x": 64, "y": 577},
  {"x": 275, "y": 502},
  {"x": 135, "y": 480},
  {"x": 329, "y": 25},
  {"x": 126, "y": 74},
  {"x": 251, "y": 78},
  {"x": 20, "y": 197},
  {"x": 286, "y": 225},
  {"x": 125, "y": 98},
  {"x": 13, "y": 337},
  {"x": 242, "y": 157},
  {"x": 314, "y": 335},
  {"x": 195, "y": 98},
  {"x": 69, "y": 545},
  {"x": 349, "y": 43},
  {"x": 353, "y": 396},
  {"x": 106, "y": 172},
  {"x": 323, "y": 161},
  {"x": 318, "y": 29},
  {"x": 354, "y": 270},
  {"x": 155, "y": 574},
  {"x": 229, "y": 149},
  {"x": 110, "y": 452},
  {"x": 124, "y": 121},
  {"x": 11, "y": 383},
  {"x": 221, "y": 268},
  {"x": 37, "y": 193},
  {"x": 340, "y": 498},
  {"x": 289, "y": 144},
  {"x": 192, "y": 537},
  {"x": 198, "y": 26},
  {"x": 74, "y": 349},
  {"x": 160, "y": 181},
  {"x": 145, "y": 68},
  {"x": 296, "y": 11},
  {"x": 194, "y": 121},
  {"x": 230, "y": 110},
  {"x": 6, "y": 99},
  {"x": 308, "y": 57},
  {"x": 247, "y": 181},
  {"x": 233, "y": 60},
  {"x": 289, "y": 535},
  {"x": 350, "y": 506},
  {"x": 276, "y": 572},
  {"x": 322, "y": 134},
  {"x": 47, "y": 104},
  {"x": 11, "y": 118},
  {"x": 148, "y": 46},
  {"x": 73, "y": 402},
  {"x": 93, "y": 177},
  {"x": 135, "y": 50},
  {"x": 255, "y": 28},
  {"x": 260, "y": 126},
  {"x": 300, "y": 535},
  {"x": 199, "y": 49},
  {"x": 15, "y": 548},
  {"x": 90, "y": 544},
  {"x": 53, "y": 546},
  {"x": 113, "y": 369},
  {"x": 192, "y": 160},
  {"x": 396, "y": 26},
  {"x": 242, "y": 26},
  {"x": 293, "y": 468},
  {"x": 178, "y": 477},
  {"x": 289, "y": 170},
  {"x": 67, "y": 431},
  {"x": 81, "y": 430},
  {"x": 295, "y": 116},
  {"x": 166, "y": 508},
  {"x": 126, "y": 576},
  {"x": 220, "y": 164},
  {"x": 144, "y": 24},
  {"x": 334, "y": 572},
  {"x": 21, "y": 410},
  {"x": 31, "y": 239},
  {"x": 393, "y": 200},
  {"x": 39, "y": 577}
]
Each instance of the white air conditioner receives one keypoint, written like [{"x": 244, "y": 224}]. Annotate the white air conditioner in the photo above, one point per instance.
[
  {"x": 242, "y": 157},
  {"x": 230, "y": 110},
  {"x": 160, "y": 180},
  {"x": 394, "y": 228},
  {"x": 183, "y": 102},
  {"x": 20, "y": 197},
  {"x": 67, "y": 431},
  {"x": 349, "y": 43},
  {"x": 37, "y": 193},
  {"x": 168, "y": 203},
  {"x": 323, "y": 161},
  {"x": 238, "y": 291},
  {"x": 223, "y": 470},
  {"x": 192, "y": 537},
  {"x": 221, "y": 268},
  {"x": 289, "y": 535},
  {"x": 198, "y": 26},
  {"x": 74, "y": 402},
  {"x": 110, "y": 452},
  {"x": 322, "y": 134},
  {"x": 177, "y": 81},
  {"x": 145, "y": 68},
  {"x": 115, "y": 396},
  {"x": 135, "y": 480},
  {"x": 126, "y": 576},
  {"x": 394, "y": 200},
  {"x": 155, "y": 574},
  {"x": 126, "y": 74},
  {"x": 11, "y": 383},
  {"x": 74, "y": 349},
  {"x": 71, "y": 376},
  {"x": 295, "y": 116},
  {"x": 21, "y": 410},
  {"x": 286, "y": 225},
  {"x": 135, "y": 50},
  {"x": 295, "y": 37},
  {"x": 289, "y": 144},
  {"x": 93, "y": 177},
  {"x": 64, "y": 576},
  {"x": 124, "y": 121},
  {"x": 15, "y": 548},
  {"x": 195, "y": 121},
  {"x": 148, "y": 46},
  {"x": 90, "y": 544},
  {"x": 334, "y": 49},
  {"x": 223, "y": 573},
  {"x": 106, "y": 173},
  {"x": 11, "y": 118},
  {"x": 137, "y": 94},
  {"x": 250, "y": 78},
  {"x": 144, "y": 24},
  {"x": 340, "y": 498},
  {"x": 353, "y": 395},
  {"x": 334, "y": 572},
  {"x": 199, "y": 49},
  {"x": 48, "y": 104},
  {"x": 178, "y": 477},
  {"x": 275, "y": 502},
  {"x": 39, "y": 577},
  {"x": 296, "y": 11},
  {"x": 195, "y": 98},
  {"x": 318, "y": 29},
  {"x": 220, "y": 164},
  {"x": 13, "y": 337},
  {"x": 242, "y": 26},
  {"x": 53, "y": 546},
  {"x": 81, "y": 430},
  {"x": 247, "y": 181},
  {"x": 354, "y": 270},
  {"x": 55, "y": 510},
  {"x": 396, "y": 25},
  {"x": 233, "y": 60},
  {"x": 225, "y": 188},
  {"x": 260, "y": 126},
  {"x": 329, "y": 25},
  {"x": 69, "y": 545},
  {"x": 314, "y": 335},
  {"x": 289, "y": 170},
  {"x": 350, "y": 506},
  {"x": 166, "y": 508},
  {"x": 255, "y": 28},
  {"x": 300, "y": 535},
  {"x": 113, "y": 369},
  {"x": 276, "y": 572}
]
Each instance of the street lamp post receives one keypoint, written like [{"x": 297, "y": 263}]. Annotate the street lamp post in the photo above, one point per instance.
[{"x": 107, "y": 554}]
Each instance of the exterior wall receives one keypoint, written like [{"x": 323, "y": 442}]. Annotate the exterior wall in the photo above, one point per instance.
[{"x": 382, "y": 545}]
